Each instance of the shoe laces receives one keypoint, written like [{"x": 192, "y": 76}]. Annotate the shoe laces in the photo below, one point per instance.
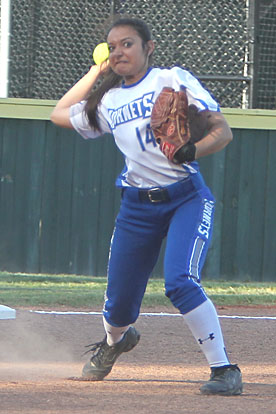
[{"x": 97, "y": 348}]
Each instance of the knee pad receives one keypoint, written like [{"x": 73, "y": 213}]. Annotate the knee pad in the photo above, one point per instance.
[{"x": 186, "y": 294}]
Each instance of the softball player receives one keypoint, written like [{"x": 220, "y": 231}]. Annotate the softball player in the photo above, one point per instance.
[{"x": 159, "y": 199}]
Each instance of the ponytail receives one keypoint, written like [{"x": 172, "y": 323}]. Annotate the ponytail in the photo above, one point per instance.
[{"x": 110, "y": 81}]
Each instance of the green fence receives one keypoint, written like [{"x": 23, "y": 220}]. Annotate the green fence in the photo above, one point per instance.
[{"x": 58, "y": 200}]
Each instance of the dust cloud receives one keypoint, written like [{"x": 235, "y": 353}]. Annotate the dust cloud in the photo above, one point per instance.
[{"x": 35, "y": 346}]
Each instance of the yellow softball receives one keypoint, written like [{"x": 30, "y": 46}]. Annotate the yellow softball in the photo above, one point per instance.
[{"x": 100, "y": 53}]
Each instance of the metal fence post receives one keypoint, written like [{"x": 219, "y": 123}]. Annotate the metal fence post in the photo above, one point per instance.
[{"x": 253, "y": 63}]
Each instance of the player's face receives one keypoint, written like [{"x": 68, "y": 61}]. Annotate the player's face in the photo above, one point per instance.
[{"x": 128, "y": 58}]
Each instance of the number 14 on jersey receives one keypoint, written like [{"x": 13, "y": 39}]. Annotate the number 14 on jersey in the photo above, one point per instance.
[{"x": 145, "y": 138}]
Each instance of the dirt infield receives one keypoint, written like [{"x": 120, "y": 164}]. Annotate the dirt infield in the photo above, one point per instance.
[{"x": 39, "y": 353}]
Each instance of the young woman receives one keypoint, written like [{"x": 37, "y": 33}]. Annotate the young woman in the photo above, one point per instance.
[{"x": 159, "y": 199}]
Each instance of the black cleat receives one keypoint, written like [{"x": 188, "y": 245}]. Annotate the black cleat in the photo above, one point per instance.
[
  {"x": 225, "y": 380},
  {"x": 104, "y": 356}
]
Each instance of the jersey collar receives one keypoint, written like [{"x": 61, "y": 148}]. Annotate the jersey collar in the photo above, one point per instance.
[{"x": 136, "y": 83}]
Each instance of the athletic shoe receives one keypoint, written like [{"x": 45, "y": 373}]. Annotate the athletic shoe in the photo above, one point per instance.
[
  {"x": 104, "y": 356},
  {"x": 226, "y": 380}
]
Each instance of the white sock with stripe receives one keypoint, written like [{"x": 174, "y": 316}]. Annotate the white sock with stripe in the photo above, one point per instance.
[
  {"x": 205, "y": 326},
  {"x": 113, "y": 333}
]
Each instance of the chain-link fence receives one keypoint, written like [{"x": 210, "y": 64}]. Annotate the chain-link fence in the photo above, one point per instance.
[
  {"x": 52, "y": 43},
  {"x": 207, "y": 37},
  {"x": 266, "y": 60}
]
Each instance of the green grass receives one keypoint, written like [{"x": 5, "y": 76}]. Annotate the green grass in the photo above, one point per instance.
[
  {"x": 28, "y": 290},
  {"x": 51, "y": 290},
  {"x": 241, "y": 293}
]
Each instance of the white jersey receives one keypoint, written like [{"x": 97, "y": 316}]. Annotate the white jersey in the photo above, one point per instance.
[{"x": 125, "y": 113}]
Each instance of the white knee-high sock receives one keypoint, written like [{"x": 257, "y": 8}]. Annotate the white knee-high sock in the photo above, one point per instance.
[
  {"x": 204, "y": 324},
  {"x": 113, "y": 333}
]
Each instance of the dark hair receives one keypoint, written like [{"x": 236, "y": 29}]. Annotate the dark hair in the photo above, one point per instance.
[
  {"x": 111, "y": 79},
  {"x": 139, "y": 25}
]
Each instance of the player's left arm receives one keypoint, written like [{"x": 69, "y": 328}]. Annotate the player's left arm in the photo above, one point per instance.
[{"x": 218, "y": 135}]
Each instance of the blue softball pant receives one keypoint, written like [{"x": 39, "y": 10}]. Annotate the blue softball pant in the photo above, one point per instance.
[{"x": 186, "y": 220}]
